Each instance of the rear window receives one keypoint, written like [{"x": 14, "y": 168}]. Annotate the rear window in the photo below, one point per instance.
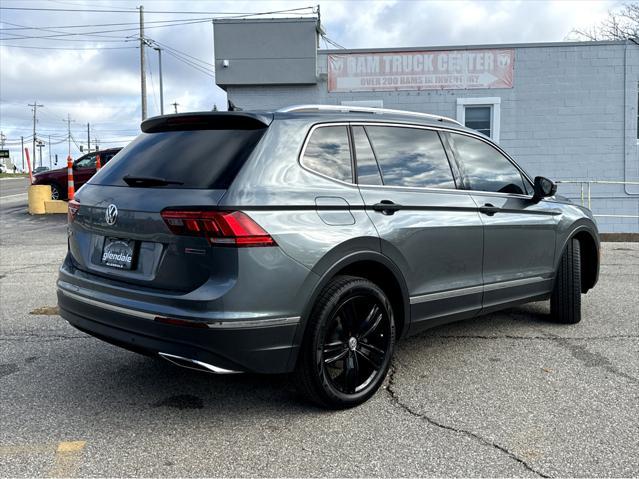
[{"x": 199, "y": 159}]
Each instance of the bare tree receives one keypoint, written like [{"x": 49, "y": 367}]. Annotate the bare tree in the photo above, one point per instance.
[{"x": 621, "y": 24}]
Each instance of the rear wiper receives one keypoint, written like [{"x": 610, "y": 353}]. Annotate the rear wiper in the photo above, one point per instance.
[{"x": 149, "y": 181}]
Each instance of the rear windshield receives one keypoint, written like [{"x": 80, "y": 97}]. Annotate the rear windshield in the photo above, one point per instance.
[{"x": 196, "y": 159}]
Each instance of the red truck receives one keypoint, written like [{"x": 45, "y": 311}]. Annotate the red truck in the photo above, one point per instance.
[{"x": 83, "y": 170}]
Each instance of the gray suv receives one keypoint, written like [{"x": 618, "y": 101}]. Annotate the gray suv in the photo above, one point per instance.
[{"x": 309, "y": 239}]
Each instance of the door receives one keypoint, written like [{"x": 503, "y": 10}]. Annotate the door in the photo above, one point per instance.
[
  {"x": 428, "y": 227},
  {"x": 83, "y": 170},
  {"x": 519, "y": 233}
]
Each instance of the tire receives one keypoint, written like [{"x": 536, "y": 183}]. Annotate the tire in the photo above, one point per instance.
[
  {"x": 56, "y": 192},
  {"x": 348, "y": 344},
  {"x": 565, "y": 300}
]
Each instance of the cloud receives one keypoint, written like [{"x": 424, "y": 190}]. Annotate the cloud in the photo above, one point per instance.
[{"x": 102, "y": 86}]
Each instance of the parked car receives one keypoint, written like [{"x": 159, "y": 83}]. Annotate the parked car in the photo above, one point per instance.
[
  {"x": 40, "y": 169},
  {"x": 83, "y": 170},
  {"x": 308, "y": 240},
  {"x": 3, "y": 168}
]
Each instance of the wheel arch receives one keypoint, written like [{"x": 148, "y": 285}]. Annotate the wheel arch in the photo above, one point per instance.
[
  {"x": 589, "y": 248},
  {"x": 368, "y": 264}
]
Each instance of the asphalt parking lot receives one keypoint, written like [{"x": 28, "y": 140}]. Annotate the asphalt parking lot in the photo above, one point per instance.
[{"x": 508, "y": 394}]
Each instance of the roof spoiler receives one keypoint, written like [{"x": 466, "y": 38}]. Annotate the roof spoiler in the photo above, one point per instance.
[{"x": 207, "y": 120}]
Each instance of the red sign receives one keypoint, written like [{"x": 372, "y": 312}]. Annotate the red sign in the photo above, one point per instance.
[{"x": 426, "y": 70}]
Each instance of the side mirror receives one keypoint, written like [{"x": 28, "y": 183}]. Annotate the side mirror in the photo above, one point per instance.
[{"x": 543, "y": 188}]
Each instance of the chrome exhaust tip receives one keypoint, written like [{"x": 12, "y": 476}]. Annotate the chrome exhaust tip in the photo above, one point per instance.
[{"x": 195, "y": 364}]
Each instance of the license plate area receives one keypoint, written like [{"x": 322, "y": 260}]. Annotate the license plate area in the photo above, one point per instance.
[{"x": 118, "y": 253}]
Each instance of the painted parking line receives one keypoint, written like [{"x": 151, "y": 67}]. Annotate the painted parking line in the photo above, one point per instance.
[
  {"x": 68, "y": 455},
  {"x": 67, "y": 458}
]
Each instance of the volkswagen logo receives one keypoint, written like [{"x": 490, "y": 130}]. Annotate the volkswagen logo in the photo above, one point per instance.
[{"x": 111, "y": 214}]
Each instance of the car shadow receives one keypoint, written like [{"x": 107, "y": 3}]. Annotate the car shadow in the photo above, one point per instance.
[{"x": 130, "y": 382}]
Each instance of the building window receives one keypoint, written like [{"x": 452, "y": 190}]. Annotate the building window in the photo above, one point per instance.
[
  {"x": 481, "y": 114},
  {"x": 478, "y": 118}
]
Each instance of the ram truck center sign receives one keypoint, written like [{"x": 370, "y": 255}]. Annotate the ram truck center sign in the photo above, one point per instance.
[{"x": 421, "y": 70}]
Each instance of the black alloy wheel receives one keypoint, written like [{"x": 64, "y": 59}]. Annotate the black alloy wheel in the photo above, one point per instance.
[
  {"x": 356, "y": 343},
  {"x": 348, "y": 345}
]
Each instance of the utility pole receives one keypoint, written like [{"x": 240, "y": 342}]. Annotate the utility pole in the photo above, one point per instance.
[
  {"x": 50, "y": 152},
  {"x": 22, "y": 151},
  {"x": 142, "y": 67},
  {"x": 34, "y": 106},
  {"x": 69, "y": 120},
  {"x": 175, "y": 105},
  {"x": 88, "y": 139},
  {"x": 159, "y": 50},
  {"x": 2, "y": 140}
]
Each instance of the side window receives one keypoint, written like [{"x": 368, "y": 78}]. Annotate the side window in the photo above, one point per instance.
[
  {"x": 86, "y": 162},
  {"x": 483, "y": 168},
  {"x": 104, "y": 158},
  {"x": 327, "y": 152},
  {"x": 411, "y": 157},
  {"x": 367, "y": 170}
]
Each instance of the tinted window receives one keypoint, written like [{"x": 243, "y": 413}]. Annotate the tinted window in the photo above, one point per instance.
[
  {"x": 105, "y": 157},
  {"x": 411, "y": 157},
  {"x": 197, "y": 158},
  {"x": 367, "y": 169},
  {"x": 483, "y": 168},
  {"x": 328, "y": 153}
]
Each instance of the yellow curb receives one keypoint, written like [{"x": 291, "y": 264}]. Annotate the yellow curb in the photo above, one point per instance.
[{"x": 56, "y": 206}]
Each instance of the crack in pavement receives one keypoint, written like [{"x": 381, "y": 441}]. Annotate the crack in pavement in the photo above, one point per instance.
[{"x": 395, "y": 400}]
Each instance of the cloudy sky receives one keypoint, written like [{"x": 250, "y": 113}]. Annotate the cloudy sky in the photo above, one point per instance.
[{"x": 80, "y": 58}]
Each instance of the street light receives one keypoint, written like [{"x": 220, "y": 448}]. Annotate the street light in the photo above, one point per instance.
[
  {"x": 159, "y": 50},
  {"x": 40, "y": 144}
]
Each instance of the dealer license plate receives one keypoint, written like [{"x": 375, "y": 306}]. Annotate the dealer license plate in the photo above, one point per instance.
[{"x": 118, "y": 253}]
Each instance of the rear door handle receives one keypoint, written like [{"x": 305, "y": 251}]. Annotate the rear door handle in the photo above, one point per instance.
[
  {"x": 386, "y": 207},
  {"x": 488, "y": 209}
]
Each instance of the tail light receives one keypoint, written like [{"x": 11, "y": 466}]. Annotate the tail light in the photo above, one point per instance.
[
  {"x": 74, "y": 207},
  {"x": 221, "y": 228}
]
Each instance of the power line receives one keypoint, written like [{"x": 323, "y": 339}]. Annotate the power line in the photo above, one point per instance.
[
  {"x": 24, "y": 27},
  {"x": 191, "y": 64},
  {"x": 112, "y": 38},
  {"x": 65, "y": 48},
  {"x": 182, "y": 53},
  {"x": 334, "y": 43},
  {"x": 93, "y": 10}
]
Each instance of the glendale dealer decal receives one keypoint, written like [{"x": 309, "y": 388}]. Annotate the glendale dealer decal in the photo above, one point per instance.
[{"x": 434, "y": 70}]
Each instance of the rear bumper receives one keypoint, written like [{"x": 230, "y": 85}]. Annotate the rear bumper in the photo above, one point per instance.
[{"x": 262, "y": 345}]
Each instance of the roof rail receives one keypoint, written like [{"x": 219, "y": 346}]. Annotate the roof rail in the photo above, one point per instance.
[{"x": 363, "y": 109}]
